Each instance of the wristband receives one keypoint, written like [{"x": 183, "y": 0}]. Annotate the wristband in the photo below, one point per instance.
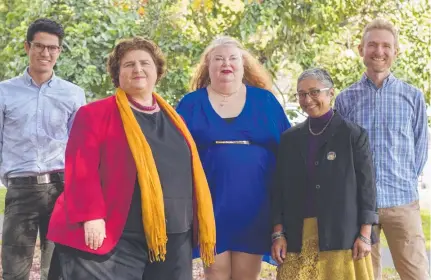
[
  {"x": 277, "y": 235},
  {"x": 364, "y": 239}
]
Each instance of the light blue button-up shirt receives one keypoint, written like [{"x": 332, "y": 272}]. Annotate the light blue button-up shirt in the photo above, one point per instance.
[
  {"x": 395, "y": 118},
  {"x": 35, "y": 123}
]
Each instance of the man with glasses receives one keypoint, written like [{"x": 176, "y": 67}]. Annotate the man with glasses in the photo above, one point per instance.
[
  {"x": 394, "y": 114},
  {"x": 36, "y": 114}
]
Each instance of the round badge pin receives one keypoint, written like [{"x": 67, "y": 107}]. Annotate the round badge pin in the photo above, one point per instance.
[{"x": 331, "y": 156}]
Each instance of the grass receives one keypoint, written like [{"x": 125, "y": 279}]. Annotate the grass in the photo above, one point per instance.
[
  {"x": 390, "y": 274},
  {"x": 268, "y": 271},
  {"x": 426, "y": 225},
  {"x": 2, "y": 196}
]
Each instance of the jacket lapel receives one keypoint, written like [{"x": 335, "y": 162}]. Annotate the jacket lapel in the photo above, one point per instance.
[
  {"x": 331, "y": 129},
  {"x": 327, "y": 134},
  {"x": 116, "y": 132},
  {"x": 303, "y": 140}
]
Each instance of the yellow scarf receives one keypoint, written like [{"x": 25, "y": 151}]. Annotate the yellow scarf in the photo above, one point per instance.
[{"x": 153, "y": 213}]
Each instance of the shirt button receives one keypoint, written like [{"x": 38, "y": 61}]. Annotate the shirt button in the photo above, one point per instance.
[
  {"x": 316, "y": 163},
  {"x": 317, "y": 187}
]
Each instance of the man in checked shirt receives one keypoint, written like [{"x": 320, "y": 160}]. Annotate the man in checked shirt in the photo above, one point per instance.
[
  {"x": 394, "y": 114},
  {"x": 36, "y": 113}
]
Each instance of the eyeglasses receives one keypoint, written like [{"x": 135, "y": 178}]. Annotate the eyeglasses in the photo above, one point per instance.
[
  {"x": 314, "y": 93},
  {"x": 38, "y": 47}
]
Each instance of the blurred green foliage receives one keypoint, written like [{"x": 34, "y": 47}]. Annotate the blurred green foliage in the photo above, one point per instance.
[{"x": 287, "y": 36}]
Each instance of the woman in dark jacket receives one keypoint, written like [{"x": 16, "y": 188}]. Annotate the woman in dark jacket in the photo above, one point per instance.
[{"x": 324, "y": 198}]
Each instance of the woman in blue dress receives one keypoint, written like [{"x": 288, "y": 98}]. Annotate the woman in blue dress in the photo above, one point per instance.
[{"x": 236, "y": 123}]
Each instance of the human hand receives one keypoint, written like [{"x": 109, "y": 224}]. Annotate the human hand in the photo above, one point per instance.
[
  {"x": 360, "y": 249},
  {"x": 278, "y": 250},
  {"x": 95, "y": 233}
]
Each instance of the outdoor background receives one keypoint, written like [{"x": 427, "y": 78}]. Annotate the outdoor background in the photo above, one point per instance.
[{"x": 287, "y": 37}]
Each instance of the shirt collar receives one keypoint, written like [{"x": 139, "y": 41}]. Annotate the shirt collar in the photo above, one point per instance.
[
  {"x": 389, "y": 79},
  {"x": 29, "y": 80}
]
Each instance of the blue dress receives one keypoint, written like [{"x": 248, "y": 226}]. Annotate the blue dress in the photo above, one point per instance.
[{"x": 239, "y": 176}]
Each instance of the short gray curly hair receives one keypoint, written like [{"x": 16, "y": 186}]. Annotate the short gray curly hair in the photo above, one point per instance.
[{"x": 319, "y": 74}]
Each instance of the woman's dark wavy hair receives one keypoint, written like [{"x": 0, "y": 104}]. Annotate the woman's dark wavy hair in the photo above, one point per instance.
[{"x": 135, "y": 43}]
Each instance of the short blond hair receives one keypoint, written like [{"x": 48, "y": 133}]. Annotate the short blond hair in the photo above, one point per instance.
[
  {"x": 254, "y": 72},
  {"x": 380, "y": 23}
]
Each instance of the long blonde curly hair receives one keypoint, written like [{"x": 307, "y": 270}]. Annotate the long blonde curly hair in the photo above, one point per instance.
[{"x": 254, "y": 72}]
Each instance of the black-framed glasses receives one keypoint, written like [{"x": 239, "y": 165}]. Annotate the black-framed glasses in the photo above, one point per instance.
[
  {"x": 38, "y": 47},
  {"x": 314, "y": 93}
]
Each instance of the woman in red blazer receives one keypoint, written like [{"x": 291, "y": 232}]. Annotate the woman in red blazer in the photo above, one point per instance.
[{"x": 134, "y": 186}]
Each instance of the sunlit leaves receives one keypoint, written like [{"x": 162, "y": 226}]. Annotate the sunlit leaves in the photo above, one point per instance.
[{"x": 287, "y": 36}]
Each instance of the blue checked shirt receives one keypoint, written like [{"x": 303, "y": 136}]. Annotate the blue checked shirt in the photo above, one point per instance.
[
  {"x": 34, "y": 124},
  {"x": 395, "y": 118}
]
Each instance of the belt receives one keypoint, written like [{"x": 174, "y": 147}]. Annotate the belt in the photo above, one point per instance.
[{"x": 39, "y": 179}]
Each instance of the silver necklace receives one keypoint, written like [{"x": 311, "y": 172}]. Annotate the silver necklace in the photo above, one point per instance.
[
  {"x": 224, "y": 95},
  {"x": 324, "y": 128}
]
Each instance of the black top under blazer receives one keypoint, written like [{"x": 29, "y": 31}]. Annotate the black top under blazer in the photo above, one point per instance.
[{"x": 345, "y": 185}]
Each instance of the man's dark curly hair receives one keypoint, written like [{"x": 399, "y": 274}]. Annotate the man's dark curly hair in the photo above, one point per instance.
[{"x": 45, "y": 25}]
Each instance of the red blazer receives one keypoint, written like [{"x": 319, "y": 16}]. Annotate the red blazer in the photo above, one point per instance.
[{"x": 100, "y": 176}]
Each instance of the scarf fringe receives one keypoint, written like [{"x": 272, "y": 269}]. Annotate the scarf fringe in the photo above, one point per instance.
[
  {"x": 158, "y": 254},
  {"x": 207, "y": 251}
]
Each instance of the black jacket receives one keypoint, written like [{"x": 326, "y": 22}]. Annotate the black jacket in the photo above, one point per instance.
[{"x": 345, "y": 189}]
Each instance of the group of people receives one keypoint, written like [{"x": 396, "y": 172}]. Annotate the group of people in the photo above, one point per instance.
[{"x": 128, "y": 187}]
